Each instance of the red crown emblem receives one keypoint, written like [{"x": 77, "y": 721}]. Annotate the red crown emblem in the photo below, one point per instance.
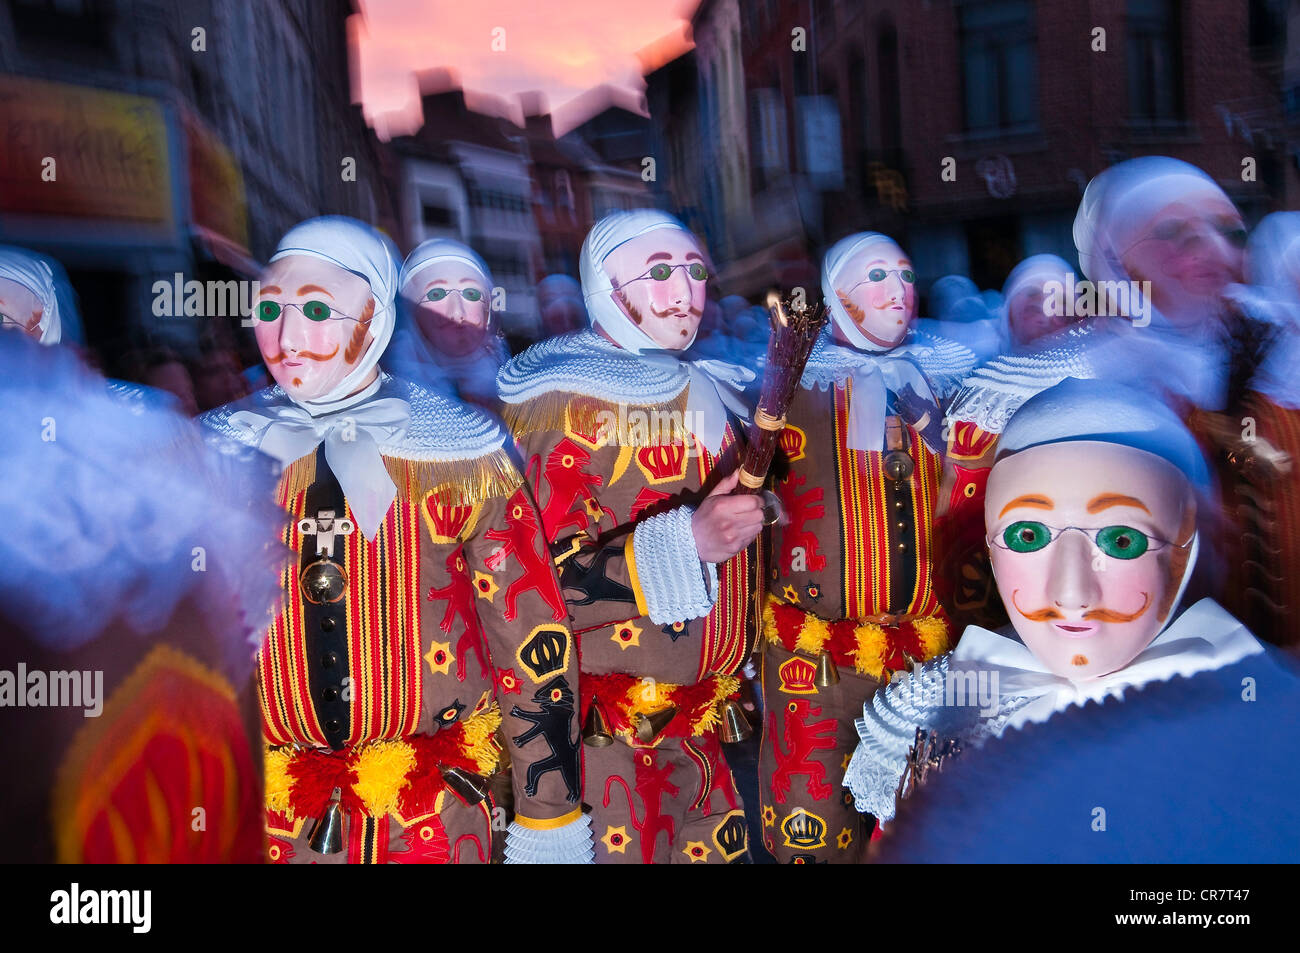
[
  {"x": 797, "y": 676},
  {"x": 663, "y": 463},
  {"x": 793, "y": 441},
  {"x": 968, "y": 441},
  {"x": 446, "y": 522}
]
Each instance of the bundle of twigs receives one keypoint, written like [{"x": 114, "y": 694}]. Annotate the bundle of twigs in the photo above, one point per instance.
[{"x": 794, "y": 331}]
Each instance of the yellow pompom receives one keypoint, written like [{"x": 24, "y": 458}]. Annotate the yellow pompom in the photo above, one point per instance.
[
  {"x": 480, "y": 742},
  {"x": 381, "y": 771},
  {"x": 278, "y": 782},
  {"x": 769, "y": 621},
  {"x": 869, "y": 657},
  {"x": 933, "y": 633},
  {"x": 813, "y": 634}
]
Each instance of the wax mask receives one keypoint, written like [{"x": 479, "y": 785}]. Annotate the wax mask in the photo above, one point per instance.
[
  {"x": 1089, "y": 543},
  {"x": 1027, "y": 311},
  {"x": 659, "y": 281},
  {"x": 1189, "y": 251},
  {"x": 312, "y": 324},
  {"x": 451, "y": 304},
  {"x": 21, "y": 308},
  {"x": 878, "y": 289}
]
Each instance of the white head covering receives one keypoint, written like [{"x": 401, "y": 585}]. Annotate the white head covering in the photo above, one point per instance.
[
  {"x": 1121, "y": 200},
  {"x": 615, "y": 229},
  {"x": 713, "y": 384},
  {"x": 442, "y": 249},
  {"x": 1187, "y": 360},
  {"x": 1273, "y": 295},
  {"x": 34, "y": 273},
  {"x": 1035, "y": 267},
  {"x": 840, "y": 254},
  {"x": 877, "y": 372},
  {"x": 356, "y": 247}
]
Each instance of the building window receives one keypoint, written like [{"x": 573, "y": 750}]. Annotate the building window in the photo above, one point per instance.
[
  {"x": 435, "y": 216},
  {"x": 1155, "y": 61},
  {"x": 999, "y": 65}
]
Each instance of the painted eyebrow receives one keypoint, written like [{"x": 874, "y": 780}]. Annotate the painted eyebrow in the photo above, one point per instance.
[
  {"x": 307, "y": 289},
  {"x": 269, "y": 290},
  {"x": 436, "y": 281},
  {"x": 1098, "y": 503},
  {"x": 690, "y": 255},
  {"x": 657, "y": 256},
  {"x": 1038, "y": 502}
]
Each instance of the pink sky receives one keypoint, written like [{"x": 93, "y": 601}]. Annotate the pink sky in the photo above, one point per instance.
[{"x": 560, "y": 47}]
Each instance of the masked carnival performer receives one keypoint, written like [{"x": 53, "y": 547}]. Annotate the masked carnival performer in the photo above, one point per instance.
[
  {"x": 850, "y": 590},
  {"x": 1090, "y": 512},
  {"x": 1158, "y": 243},
  {"x": 631, "y": 447},
  {"x": 422, "y": 611},
  {"x": 138, "y": 569},
  {"x": 448, "y": 334}
]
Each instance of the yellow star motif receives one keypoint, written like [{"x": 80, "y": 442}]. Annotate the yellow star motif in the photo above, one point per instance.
[
  {"x": 769, "y": 815},
  {"x": 439, "y": 657},
  {"x": 485, "y": 586},
  {"x": 845, "y": 839},
  {"x": 593, "y": 509},
  {"x": 626, "y": 634},
  {"x": 790, "y": 594},
  {"x": 615, "y": 840},
  {"x": 844, "y": 765},
  {"x": 697, "y": 852}
]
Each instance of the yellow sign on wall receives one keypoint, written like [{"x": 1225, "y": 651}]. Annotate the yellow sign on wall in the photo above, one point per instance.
[{"x": 74, "y": 151}]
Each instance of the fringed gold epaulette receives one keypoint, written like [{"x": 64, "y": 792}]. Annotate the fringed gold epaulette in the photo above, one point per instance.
[
  {"x": 458, "y": 482},
  {"x": 296, "y": 477},
  {"x": 601, "y": 421}
]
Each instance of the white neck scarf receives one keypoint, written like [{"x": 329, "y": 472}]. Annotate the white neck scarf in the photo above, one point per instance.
[
  {"x": 715, "y": 386},
  {"x": 1204, "y": 637}
]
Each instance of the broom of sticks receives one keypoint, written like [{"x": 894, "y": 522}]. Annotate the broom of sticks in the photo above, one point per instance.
[{"x": 794, "y": 331}]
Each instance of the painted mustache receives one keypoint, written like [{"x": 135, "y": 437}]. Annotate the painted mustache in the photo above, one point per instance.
[
  {"x": 309, "y": 355},
  {"x": 1049, "y": 613},
  {"x": 692, "y": 311}
]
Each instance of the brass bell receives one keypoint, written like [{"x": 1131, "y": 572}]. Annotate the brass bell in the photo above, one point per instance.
[
  {"x": 468, "y": 787},
  {"x": 827, "y": 672},
  {"x": 323, "y": 582},
  {"x": 649, "y": 727},
  {"x": 327, "y": 835},
  {"x": 898, "y": 465},
  {"x": 595, "y": 733},
  {"x": 735, "y": 726}
]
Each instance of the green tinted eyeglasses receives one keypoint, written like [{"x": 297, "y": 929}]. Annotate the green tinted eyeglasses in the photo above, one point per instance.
[
  {"x": 663, "y": 271},
  {"x": 1118, "y": 542},
  {"x": 466, "y": 294},
  {"x": 312, "y": 310}
]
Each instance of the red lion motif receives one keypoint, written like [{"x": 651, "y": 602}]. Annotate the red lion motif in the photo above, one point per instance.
[
  {"x": 652, "y": 784},
  {"x": 567, "y": 485},
  {"x": 519, "y": 539},
  {"x": 800, "y": 507},
  {"x": 802, "y": 738},
  {"x": 460, "y": 596}
]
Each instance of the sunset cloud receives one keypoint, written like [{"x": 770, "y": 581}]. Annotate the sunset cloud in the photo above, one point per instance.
[{"x": 558, "y": 47}]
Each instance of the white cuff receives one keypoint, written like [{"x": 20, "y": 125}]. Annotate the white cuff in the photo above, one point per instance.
[
  {"x": 676, "y": 584},
  {"x": 569, "y": 844}
]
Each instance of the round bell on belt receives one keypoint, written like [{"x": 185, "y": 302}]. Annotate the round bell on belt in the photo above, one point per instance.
[
  {"x": 323, "y": 581},
  {"x": 898, "y": 465}
]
